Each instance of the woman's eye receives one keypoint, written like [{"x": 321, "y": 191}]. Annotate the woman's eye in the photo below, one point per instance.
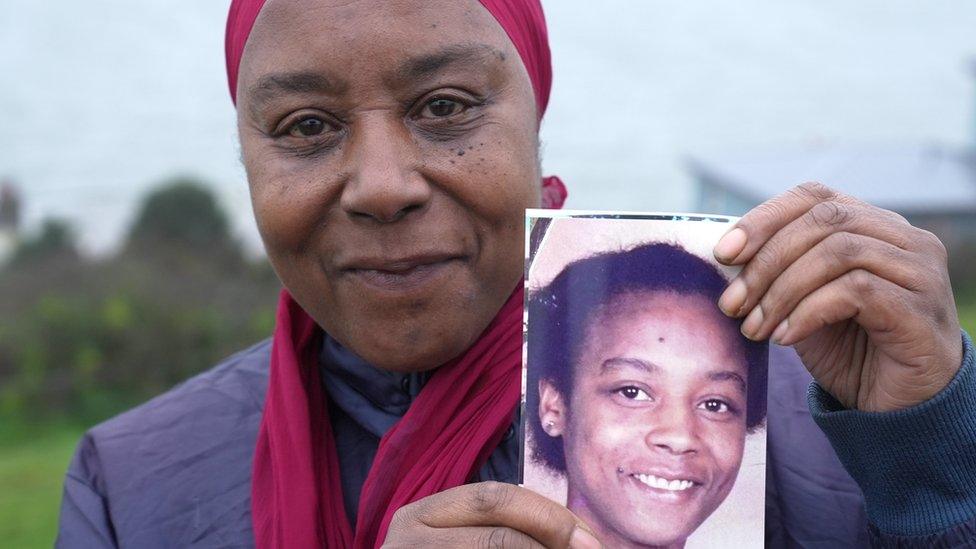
[
  {"x": 715, "y": 406},
  {"x": 633, "y": 393},
  {"x": 307, "y": 127},
  {"x": 442, "y": 108}
]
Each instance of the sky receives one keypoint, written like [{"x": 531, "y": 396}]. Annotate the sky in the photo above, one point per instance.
[{"x": 100, "y": 101}]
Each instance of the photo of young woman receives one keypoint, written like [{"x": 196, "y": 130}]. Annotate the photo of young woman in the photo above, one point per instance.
[{"x": 640, "y": 392}]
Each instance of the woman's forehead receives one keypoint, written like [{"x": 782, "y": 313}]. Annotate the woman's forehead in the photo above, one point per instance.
[
  {"x": 369, "y": 31},
  {"x": 350, "y": 12},
  {"x": 642, "y": 320}
]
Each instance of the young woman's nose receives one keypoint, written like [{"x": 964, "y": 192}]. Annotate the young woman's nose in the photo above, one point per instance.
[
  {"x": 673, "y": 430},
  {"x": 384, "y": 179}
]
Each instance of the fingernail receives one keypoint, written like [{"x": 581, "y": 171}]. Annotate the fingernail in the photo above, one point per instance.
[
  {"x": 731, "y": 245},
  {"x": 733, "y": 298},
  {"x": 582, "y": 539},
  {"x": 753, "y": 322},
  {"x": 780, "y": 332}
]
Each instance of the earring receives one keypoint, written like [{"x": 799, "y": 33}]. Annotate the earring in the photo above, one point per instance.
[{"x": 549, "y": 425}]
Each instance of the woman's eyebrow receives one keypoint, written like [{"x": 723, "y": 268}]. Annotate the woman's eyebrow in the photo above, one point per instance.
[
  {"x": 618, "y": 363},
  {"x": 728, "y": 375},
  {"x": 423, "y": 66},
  {"x": 273, "y": 85},
  {"x": 415, "y": 68}
]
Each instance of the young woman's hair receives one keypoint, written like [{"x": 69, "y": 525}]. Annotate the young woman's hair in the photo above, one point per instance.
[{"x": 559, "y": 313}]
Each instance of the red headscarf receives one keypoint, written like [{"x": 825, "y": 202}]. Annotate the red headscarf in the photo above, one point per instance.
[{"x": 451, "y": 428}]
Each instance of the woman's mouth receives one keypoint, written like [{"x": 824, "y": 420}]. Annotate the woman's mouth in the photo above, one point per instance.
[
  {"x": 668, "y": 484},
  {"x": 661, "y": 483},
  {"x": 402, "y": 274},
  {"x": 399, "y": 280}
]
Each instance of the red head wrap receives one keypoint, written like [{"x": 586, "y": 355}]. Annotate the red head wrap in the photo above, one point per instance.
[
  {"x": 523, "y": 20},
  {"x": 451, "y": 428}
]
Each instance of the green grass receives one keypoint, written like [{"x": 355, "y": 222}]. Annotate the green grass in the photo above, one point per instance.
[{"x": 32, "y": 466}]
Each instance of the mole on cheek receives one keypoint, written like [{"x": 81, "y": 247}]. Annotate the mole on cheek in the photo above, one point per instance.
[{"x": 660, "y": 340}]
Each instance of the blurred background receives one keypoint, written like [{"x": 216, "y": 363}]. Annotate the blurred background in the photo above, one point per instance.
[{"x": 129, "y": 258}]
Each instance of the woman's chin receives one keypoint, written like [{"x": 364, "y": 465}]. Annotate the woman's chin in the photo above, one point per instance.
[
  {"x": 630, "y": 526},
  {"x": 403, "y": 348},
  {"x": 642, "y": 539},
  {"x": 409, "y": 334}
]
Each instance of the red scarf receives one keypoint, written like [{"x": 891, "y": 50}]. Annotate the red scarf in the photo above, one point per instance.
[
  {"x": 446, "y": 435},
  {"x": 451, "y": 428}
]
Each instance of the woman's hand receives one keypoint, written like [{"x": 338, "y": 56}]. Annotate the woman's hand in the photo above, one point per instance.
[
  {"x": 863, "y": 296},
  {"x": 488, "y": 514}
]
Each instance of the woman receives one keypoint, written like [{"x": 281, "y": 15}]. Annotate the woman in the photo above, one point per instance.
[
  {"x": 641, "y": 392},
  {"x": 391, "y": 148}
]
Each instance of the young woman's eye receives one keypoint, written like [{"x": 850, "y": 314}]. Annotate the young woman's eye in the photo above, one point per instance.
[
  {"x": 441, "y": 108},
  {"x": 308, "y": 127},
  {"x": 715, "y": 406},
  {"x": 633, "y": 393}
]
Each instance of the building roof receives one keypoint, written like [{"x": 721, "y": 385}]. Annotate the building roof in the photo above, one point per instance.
[{"x": 907, "y": 179}]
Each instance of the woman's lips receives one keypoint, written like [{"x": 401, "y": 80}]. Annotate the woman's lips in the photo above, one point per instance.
[
  {"x": 673, "y": 486},
  {"x": 662, "y": 483},
  {"x": 401, "y": 275},
  {"x": 681, "y": 492}
]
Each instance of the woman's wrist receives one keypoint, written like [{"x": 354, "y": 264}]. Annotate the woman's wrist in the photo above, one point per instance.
[{"x": 915, "y": 466}]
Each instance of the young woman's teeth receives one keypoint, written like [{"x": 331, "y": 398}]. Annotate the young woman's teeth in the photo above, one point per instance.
[{"x": 663, "y": 483}]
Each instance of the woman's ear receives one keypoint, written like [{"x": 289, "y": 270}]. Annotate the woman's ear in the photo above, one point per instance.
[{"x": 552, "y": 409}]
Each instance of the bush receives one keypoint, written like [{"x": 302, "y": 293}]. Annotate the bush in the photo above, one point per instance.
[{"x": 85, "y": 339}]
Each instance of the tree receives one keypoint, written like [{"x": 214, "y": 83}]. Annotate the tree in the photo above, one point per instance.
[
  {"x": 55, "y": 241},
  {"x": 182, "y": 217}
]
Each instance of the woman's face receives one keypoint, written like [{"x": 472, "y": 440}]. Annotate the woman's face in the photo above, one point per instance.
[
  {"x": 391, "y": 149},
  {"x": 655, "y": 427}
]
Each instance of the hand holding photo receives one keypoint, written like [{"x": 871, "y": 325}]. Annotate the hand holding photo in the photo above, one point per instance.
[{"x": 644, "y": 404}]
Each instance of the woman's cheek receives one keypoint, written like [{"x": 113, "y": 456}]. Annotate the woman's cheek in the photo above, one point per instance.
[
  {"x": 613, "y": 425},
  {"x": 493, "y": 169},
  {"x": 289, "y": 201},
  {"x": 726, "y": 442}
]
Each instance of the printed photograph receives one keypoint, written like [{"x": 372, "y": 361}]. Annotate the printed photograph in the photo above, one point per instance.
[{"x": 644, "y": 405}]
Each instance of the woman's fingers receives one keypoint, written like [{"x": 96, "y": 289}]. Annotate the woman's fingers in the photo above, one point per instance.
[
  {"x": 890, "y": 315},
  {"x": 741, "y": 243},
  {"x": 774, "y": 255},
  {"x": 800, "y": 236},
  {"x": 839, "y": 300},
  {"x": 469, "y": 537},
  {"x": 829, "y": 259},
  {"x": 493, "y": 505}
]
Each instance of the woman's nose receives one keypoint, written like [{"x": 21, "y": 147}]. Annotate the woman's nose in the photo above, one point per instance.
[
  {"x": 384, "y": 179},
  {"x": 674, "y": 430}
]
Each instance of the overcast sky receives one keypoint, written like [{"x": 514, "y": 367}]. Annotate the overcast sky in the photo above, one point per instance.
[{"x": 100, "y": 100}]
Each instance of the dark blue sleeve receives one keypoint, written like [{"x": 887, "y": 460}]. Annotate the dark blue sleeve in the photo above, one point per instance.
[
  {"x": 84, "y": 518},
  {"x": 916, "y": 467}
]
